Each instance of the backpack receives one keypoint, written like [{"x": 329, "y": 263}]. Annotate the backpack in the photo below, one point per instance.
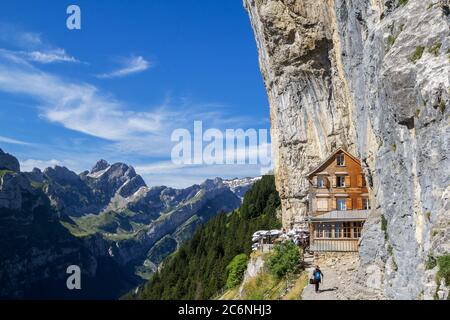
[{"x": 317, "y": 275}]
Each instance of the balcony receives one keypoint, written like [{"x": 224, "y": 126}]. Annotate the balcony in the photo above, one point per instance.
[{"x": 349, "y": 215}]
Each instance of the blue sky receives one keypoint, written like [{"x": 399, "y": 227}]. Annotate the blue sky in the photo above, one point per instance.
[{"x": 117, "y": 88}]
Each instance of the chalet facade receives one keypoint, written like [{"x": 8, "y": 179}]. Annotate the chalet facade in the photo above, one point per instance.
[{"x": 338, "y": 203}]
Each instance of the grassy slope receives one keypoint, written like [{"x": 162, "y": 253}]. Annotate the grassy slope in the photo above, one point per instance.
[{"x": 266, "y": 287}]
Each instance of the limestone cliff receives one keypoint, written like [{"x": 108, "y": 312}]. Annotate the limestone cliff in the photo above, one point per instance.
[{"x": 371, "y": 76}]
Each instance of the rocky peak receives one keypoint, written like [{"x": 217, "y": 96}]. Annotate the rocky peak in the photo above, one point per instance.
[
  {"x": 100, "y": 166},
  {"x": 35, "y": 175},
  {"x": 61, "y": 175},
  {"x": 212, "y": 184},
  {"x": 8, "y": 162}
]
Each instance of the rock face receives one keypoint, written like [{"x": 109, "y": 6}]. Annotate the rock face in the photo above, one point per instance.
[
  {"x": 308, "y": 94},
  {"x": 13, "y": 184},
  {"x": 8, "y": 162},
  {"x": 373, "y": 77}
]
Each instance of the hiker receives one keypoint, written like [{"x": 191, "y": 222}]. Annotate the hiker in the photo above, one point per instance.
[{"x": 317, "y": 276}]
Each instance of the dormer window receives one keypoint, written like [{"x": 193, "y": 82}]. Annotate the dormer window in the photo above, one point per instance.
[
  {"x": 340, "y": 159},
  {"x": 320, "y": 182}
]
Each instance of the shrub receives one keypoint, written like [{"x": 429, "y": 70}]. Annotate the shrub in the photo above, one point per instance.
[
  {"x": 441, "y": 106},
  {"x": 285, "y": 260},
  {"x": 394, "y": 265},
  {"x": 434, "y": 49},
  {"x": 431, "y": 263},
  {"x": 390, "y": 250},
  {"x": 236, "y": 269},
  {"x": 417, "y": 54},
  {"x": 384, "y": 227},
  {"x": 403, "y": 2},
  {"x": 390, "y": 41},
  {"x": 4, "y": 172},
  {"x": 443, "y": 263}
]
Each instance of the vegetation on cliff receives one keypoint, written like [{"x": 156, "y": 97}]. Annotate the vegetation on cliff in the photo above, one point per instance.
[{"x": 198, "y": 270}]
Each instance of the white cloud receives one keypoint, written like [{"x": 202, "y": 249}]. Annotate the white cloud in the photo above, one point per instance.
[
  {"x": 84, "y": 108},
  {"x": 31, "y": 47},
  {"x": 51, "y": 56},
  {"x": 29, "y": 164},
  {"x": 78, "y": 106},
  {"x": 129, "y": 66},
  {"x": 182, "y": 176},
  {"x": 13, "y": 141},
  {"x": 43, "y": 57},
  {"x": 23, "y": 39},
  {"x": 29, "y": 39}
]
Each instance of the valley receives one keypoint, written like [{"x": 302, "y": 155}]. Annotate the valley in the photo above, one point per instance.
[{"x": 107, "y": 216}]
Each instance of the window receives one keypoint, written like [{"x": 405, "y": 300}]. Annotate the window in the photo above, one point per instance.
[
  {"x": 341, "y": 204},
  {"x": 318, "y": 230},
  {"x": 320, "y": 182},
  {"x": 340, "y": 181},
  {"x": 340, "y": 160},
  {"x": 338, "y": 230},
  {"x": 327, "y": 230},
  {"x": 357, "y": 229},
  {"x": 347, "y": 226},
  {"x": 366, "y": 204},
  {"x": 322, "y": 204}
]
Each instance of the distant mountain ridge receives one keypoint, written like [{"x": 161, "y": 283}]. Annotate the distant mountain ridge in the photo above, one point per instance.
[{"x": 110, "y": 213}]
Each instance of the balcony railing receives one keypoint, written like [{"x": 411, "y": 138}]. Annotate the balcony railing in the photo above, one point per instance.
[{"x": 343, "y": 215}]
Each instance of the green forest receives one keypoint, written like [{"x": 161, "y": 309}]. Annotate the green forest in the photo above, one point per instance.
[{"x": 198, "y": 270}]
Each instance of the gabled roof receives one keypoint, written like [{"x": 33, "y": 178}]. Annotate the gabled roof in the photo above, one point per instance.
[{"x": 339, "y": 150}]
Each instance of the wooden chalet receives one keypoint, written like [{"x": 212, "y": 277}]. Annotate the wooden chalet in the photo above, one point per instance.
[{"x": 338, "y": 203}]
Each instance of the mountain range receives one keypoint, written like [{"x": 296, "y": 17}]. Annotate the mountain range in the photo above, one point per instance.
[{"x": 106, "y": 220}]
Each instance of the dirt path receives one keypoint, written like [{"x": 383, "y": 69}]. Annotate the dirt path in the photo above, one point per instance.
[{"x": 338, "y": 273}]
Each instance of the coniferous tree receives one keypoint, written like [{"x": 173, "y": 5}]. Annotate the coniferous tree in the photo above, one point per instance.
[{"x": 198, "y": 270}]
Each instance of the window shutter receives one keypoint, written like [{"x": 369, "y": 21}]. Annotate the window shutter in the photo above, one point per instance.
[
  {"x": 347, "y": 182},
  {"x": 327, "y": 182},
  {"x": 359, "y": 203},
  {"x": 314, "y": 181},
  {"x": 360, "y": 182},
  {"x": 333, "y": 203},
  {"x": 333, "y": 180},
  {"x": 349, "y": 203}
]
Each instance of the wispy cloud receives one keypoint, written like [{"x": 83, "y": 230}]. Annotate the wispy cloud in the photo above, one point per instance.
[
  {"x": 29, "y": 164},
  {"x": 19, "y": 38},
  {"x": 129, "y": 66},
  {"x": 31, "y": 47},
  {"x": 43, "y": 57},
  {"x": 51, "y": 56},
  {"x": 13, "y": 141},
  {"x": 78, "y": 106},
  {"x": 84, "y": 108},
  {"x": 182, "y": 176}
]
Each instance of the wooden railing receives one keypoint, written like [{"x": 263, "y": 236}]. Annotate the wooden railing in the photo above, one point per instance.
[{"x": 336, "y": 245}]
